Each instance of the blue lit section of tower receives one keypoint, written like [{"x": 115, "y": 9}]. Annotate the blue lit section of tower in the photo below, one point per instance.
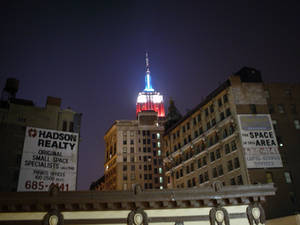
[
  {"x": 148, "y": 85},
  {"x": 150, "y": 100}
]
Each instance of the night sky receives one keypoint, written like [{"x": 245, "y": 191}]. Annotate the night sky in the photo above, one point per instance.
[{"x": 91, "y": 54}]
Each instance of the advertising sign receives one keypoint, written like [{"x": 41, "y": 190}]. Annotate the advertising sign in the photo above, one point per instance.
[
  {"x": 49, "y": 157},
  {"x": 259, "y": 141}
]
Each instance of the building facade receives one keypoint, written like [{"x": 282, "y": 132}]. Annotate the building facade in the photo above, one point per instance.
[
  {"x": 15, "y": 115},
  {"x": 229, "y": 137},
  {"x": 133, "y": 153}
]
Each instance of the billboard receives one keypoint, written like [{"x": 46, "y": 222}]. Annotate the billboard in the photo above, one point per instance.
[
  {"x": 49, "y": 157},
  {"x": 259, "y": 141}
]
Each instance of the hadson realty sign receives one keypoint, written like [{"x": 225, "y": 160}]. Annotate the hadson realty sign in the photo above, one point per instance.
[
  {"x": 259, "y": 141},
  {"x": 49, "y": 157}
]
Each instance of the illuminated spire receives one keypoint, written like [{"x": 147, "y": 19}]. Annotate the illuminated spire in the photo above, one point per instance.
[{"x": 148, "y": 85}]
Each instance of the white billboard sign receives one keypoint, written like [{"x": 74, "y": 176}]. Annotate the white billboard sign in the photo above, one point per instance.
[
  {"x": 259, "y": 141},
  {"x": 49, "y": 157}
]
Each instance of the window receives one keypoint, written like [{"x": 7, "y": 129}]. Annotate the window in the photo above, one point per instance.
[
  {"x": 225, "y": 98},
  {"x": 206, "y": 112},
  {"x": 204, "y": 160},
  {"x": 64, "y": 125},
  {"x": 269, "y": 177},
  {"x": 232, "y": 181},
  {"x": 132, "y": 167},
  {"x": 297, "y": 124},
  {"x": 153, "y": 144},
  {"x": 160, "y": 179},
  {"x": 206, "y": 178},
  {"x": 124, "y": 149},
  {"x": 253, "y": 108},
  {"x": 211, "y": 107},
  {"x": 124, "y": 177},
  {"x": 220, "y": 170},
  {"x": 124, "y": 159},
  {"x": 131, "y": 149},
  {"x": 288, "y": 178},
  {"x": 158, "y": 135},
  {"x": 145, "y": 167},
  {"x": 181, "y": 172},
  {"x": 189, "y": 138},
  {"x": 145, "y": 158},
  {"x": 227, "y": 149},
  {"x": 177, "y": 174},
  {"x": 236, "y": 163},
  {"x": 124, "y": 168},
  {"x": 222, "y": 116},
  {"x": 187, "y": 169},
  {"x": 231, "y": 129},
  {"x": 149, "y": 149},
  {"x": 153, "y": 136},
  {"x": 240, "y": 180},
  {"x": 225, "y": 134},
  {"x": 229, "y": 165},
  {"x": 201, "y": 179},
  {"x": 200, "y": 131},
  {"x": 208, "y": 125},
  {"x": 228, "y": 112},
  {"x": 149, "y": 167},
  {"x": 189, "y": 184},
  {"x": 199, "y": 118},
  {"x": 213, "y": 122},
  {"x": 148, "y": 141},
  {"x": 220, "y": 102},
  {"x": 145, "y": 176},
  {"x": 194, "y": 121},
  {"x": 199, "y": 163},
  {"x": 71, "y": 128},
  {"x": 158, "y": 144},
  {"x": 132, "y": 159},
  {"x": 183, "y": 129},
  {"x": 280, "y": 108},
  {"x": 233, "y": 146},
  {"x": 192, "y": 166},
  {"x": 160, "y": 170},
  {"x": 131, "y": 141},
  {"x": 195, "y": 133},
  {"x": 194, "y": 182},
  {"x": 159, "y": 152},
  {"x": 212, "y": 156},
  {"x": 214, "y": 172},
  {"x": 218, "y": 153},
  {"x": 188, "y": 125}
]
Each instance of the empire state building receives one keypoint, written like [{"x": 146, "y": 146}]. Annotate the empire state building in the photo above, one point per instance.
[{"x": 149, "y": 99}]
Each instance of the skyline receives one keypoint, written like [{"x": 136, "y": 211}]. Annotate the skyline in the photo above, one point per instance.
[{"x": 92, "y": 55}]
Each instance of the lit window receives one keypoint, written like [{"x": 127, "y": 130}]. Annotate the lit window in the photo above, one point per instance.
[
  {"x": 297, "y": 124},
  {"x": 269, "y": 177},
  {"x": 161, "y": 187},
  {"x": 160, "y": 170},
  {"x": 288, "y": 178},
  {"x": 280, "y": 108},
  {"x": 158, "y": 135},
  {"x": 160, "y": 179},
  {"x": 159, "y": 152},
  {"x": 158, "y": 144}
]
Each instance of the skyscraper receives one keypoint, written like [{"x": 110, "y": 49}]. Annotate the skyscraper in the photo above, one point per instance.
[
  {"x": 133, "y": 152},
  {"x": 149, "y": 100}
]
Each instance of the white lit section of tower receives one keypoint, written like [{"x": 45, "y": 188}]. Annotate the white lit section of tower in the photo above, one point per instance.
[{"x": 150, "y": 100}]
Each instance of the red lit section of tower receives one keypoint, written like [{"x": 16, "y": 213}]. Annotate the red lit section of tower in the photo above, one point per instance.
[{"x": 150, "y": 100}]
